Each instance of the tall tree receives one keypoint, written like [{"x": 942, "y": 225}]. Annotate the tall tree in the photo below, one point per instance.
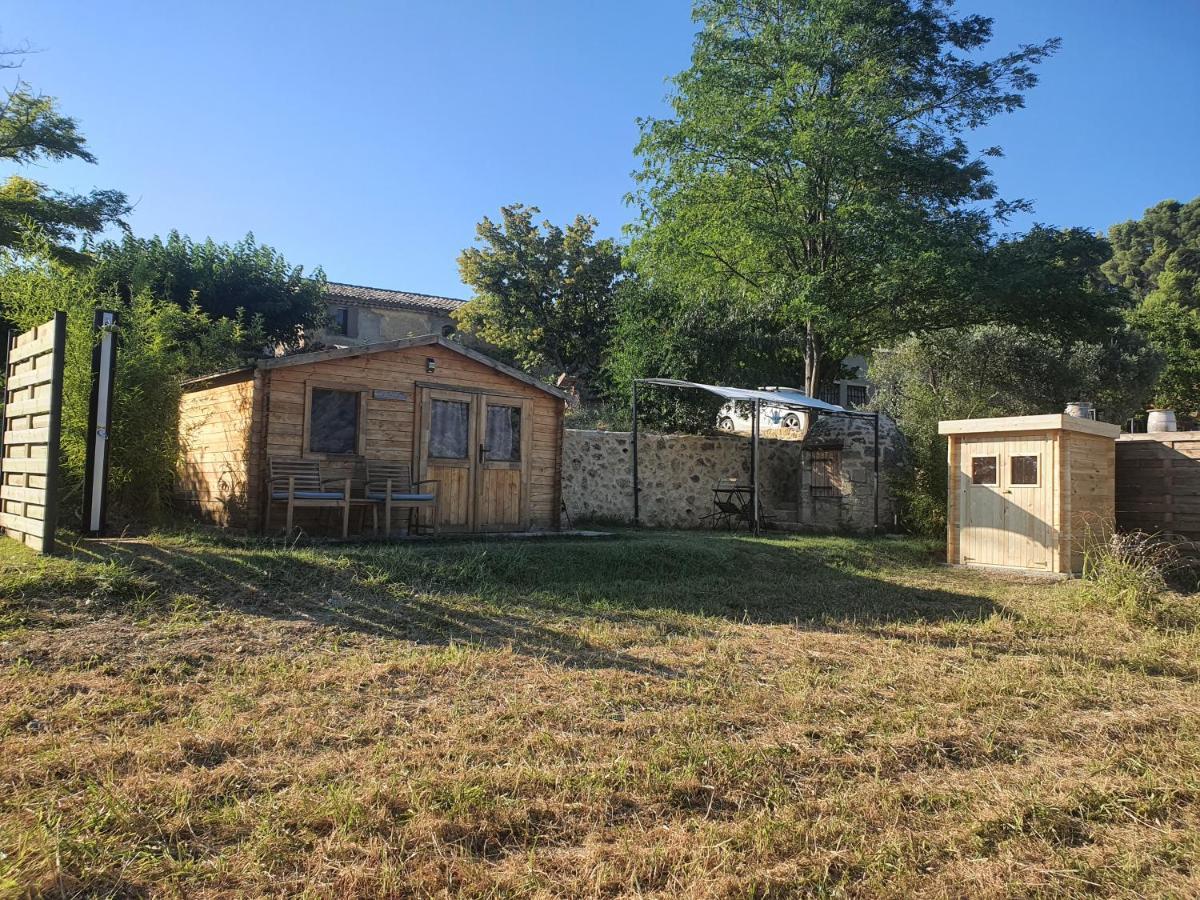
[
  {"x": 543, "y": 294},
  {"x": 33, "y": 130},
  {"x": 815, "y": 167},
  {"x": 1157, "y": 259},
  {"x": 1164, "y": 242},
  {"x": 220, "y": 279}
]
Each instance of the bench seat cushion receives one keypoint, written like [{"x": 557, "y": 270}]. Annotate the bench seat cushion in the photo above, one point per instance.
[
  {"x": 311, "y": 495},
  {"x": 412, "y": 498}
]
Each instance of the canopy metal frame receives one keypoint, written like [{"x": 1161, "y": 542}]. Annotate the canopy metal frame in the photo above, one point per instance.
[{"x": 788, "y": 399}]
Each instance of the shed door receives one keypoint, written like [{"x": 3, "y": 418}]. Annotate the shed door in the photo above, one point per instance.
[
  {"x": 448, "y": 454},
  {"x": 477, "y": 447},
  {"x": 1006, "y": 498},
  {"x": 505, "y": 427}
]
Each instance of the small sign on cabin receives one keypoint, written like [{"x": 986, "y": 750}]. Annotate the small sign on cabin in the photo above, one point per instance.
[{"x": 380, "y": 394}]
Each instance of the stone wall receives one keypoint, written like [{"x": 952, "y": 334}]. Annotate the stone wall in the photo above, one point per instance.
[
  {"x": 678, "y": 472},
  {"x": 852, "y": 506},
  {"x": 371, "y": 325}
]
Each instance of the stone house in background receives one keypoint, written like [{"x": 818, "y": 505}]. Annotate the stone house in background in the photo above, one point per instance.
[{"x": 365, "y": 315}]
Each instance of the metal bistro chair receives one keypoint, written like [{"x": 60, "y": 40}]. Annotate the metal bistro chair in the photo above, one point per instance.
[
  {"x": 727, "y": 504},
  {"x": 392, "y": 484},
  {"x": 298, "y": 483}
]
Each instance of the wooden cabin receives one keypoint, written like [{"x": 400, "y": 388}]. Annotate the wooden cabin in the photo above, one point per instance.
[
  {"x": 1025, "y": 492},
  {"x": 488, "y": 434}
]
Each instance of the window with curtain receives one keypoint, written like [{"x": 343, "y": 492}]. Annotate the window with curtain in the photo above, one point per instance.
[
  {"x": 503, "y": 439},
  {"x": 448, "y": 431},
  {"x": 333, "y": 421}
]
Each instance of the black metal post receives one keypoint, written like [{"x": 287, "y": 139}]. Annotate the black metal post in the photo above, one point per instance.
[
  {"x": 754, "y": 467},
  {"x": 876, "y": 486},
  {"x": 636, "y": 486}
]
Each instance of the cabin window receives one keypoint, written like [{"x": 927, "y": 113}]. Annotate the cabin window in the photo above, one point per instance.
[
  {"x": 983, "y": 470},
  {"x": 503, "y": 440},
  {"x": 449, "y": 429},
  {"x": 333, "y": 421},
  {"x": 826, "y": 473},
  {"x": 1024, "y": 470},
  {"x": 341, "y": 320}
]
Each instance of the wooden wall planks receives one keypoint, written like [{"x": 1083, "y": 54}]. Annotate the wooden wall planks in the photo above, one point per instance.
[
  {"x": 1158, "y": 482},
  {"x": 32, "y": 426},
  {"x": 228, "y": 430}
]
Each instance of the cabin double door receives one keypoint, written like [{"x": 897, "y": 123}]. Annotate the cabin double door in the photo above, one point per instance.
[
  {"x": 477, "y": 447},
  {"x": 1006, "y": 497}
]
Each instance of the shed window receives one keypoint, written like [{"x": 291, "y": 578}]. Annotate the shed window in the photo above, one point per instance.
[
  {"x": 983, "y": 470},
  {"x": 503, "y": 440},
  {"x": 826, "y": 473},
  {"x": 1024, "y": 470},
  {"x": 333, "y": 421},
  {"x": 448, "y": 429}
]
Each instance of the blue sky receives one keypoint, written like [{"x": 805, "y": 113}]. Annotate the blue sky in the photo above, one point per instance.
[{"x": 370, "y": 137}]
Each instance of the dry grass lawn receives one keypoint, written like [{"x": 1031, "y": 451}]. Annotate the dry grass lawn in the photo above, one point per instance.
[{"x": 659, "y": 715}]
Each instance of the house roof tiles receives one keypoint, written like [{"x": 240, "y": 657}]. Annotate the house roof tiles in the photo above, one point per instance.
[{"x": 358, "y": 295}]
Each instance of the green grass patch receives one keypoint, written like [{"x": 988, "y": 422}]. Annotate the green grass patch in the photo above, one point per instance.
[{"x": 659, "y": 713}]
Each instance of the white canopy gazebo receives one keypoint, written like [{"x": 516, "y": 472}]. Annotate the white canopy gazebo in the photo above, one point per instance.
[{"x": 785, "y": 397}]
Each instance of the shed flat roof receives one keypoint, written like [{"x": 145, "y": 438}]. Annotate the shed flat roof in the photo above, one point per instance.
[{"x": 1019, "y": 424}]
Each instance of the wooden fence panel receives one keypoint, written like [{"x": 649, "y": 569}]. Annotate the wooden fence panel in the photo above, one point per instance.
[
  {"x": 1158, "y": 482},
  {"x": 32, "y": 425}
]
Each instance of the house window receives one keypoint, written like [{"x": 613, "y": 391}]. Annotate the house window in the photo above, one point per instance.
[
  {"x": 449, "y": 429},
  {"x": 503, "y": 440},
  {"x": 856, "y": 395},
  {"x": 448, "y": 330},
  {"x": 1024, "y": 470},
  {"x": 341, "y": 320},
  {"x": 983, "y": 470},
  {"x": 333, "y": 421},
  {"x": 826, "y": 473},
  {"x": 829, "y": 394}
]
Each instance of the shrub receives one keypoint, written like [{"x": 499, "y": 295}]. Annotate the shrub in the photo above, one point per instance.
[
  {"x": 600, "y": 416},
  {"x": 159, "y": 343},
  {"x": 1131, "y": 571}
]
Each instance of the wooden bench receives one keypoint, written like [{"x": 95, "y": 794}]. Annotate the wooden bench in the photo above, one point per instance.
[
  {"x": 298, "y": 483},
  {"x": 391, "y": 484}
]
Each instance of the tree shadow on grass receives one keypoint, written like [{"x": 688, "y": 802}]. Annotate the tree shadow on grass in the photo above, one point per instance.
[{"x": 535, "y": 596}]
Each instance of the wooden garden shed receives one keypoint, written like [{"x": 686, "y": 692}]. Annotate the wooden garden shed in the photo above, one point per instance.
[
  {"x": 489, "y": 435},
  {"x": 1025, "y": 491}
]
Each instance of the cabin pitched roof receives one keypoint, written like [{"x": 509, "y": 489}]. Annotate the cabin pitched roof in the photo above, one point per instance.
[{"x": 427, "y": 340}]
